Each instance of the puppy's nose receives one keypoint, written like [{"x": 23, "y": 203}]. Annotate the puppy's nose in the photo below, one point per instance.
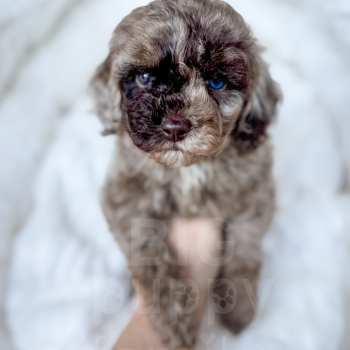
[{"x": 176, "y": 129}]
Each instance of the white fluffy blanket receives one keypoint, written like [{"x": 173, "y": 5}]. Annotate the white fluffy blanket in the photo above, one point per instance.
[{"x": 68, "y": 285}]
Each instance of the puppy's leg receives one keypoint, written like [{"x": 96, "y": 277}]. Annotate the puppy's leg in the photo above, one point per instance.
[
  {"x": 243, "y": 244},
  {"x": 238, "y": 298},
  {"x": 170, "y": 300}
]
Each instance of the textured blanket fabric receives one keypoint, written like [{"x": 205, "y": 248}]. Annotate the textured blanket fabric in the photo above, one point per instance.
[
  {"x": 24, "y": 26},
  {"x": 68, "y": 286}
]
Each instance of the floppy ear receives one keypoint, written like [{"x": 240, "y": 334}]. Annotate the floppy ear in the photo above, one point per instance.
[
  {"x": 104, "y": 89},
  {"x": 260, "y": 109}
]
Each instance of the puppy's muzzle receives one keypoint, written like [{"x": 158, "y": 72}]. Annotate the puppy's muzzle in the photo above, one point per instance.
[{"x": 176, "y": 129}]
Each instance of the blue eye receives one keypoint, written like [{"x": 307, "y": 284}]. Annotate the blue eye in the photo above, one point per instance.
[
  {"x": 145, "y": 79},
  {"x": 217, "y": 83}
]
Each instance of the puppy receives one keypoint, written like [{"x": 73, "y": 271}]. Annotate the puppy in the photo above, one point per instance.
[{"x": 189, "y": 97}]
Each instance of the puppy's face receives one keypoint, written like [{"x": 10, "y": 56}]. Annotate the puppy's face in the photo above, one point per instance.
[{"x": 181, "y": 74}]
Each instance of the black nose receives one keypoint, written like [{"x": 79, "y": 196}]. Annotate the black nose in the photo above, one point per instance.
[{"x": 176, "y": 129}]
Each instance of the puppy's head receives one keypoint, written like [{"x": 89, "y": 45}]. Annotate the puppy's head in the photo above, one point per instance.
[{"x": 183, "y": 77}]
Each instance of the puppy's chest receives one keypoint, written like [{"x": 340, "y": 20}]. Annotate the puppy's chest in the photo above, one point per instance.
[
  {"x": 202, "y": 190},
  {"x": 189, "y": 189}
]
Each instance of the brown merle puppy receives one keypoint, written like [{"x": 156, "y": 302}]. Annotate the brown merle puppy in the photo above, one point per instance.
[{"x": 187, "y": 94}]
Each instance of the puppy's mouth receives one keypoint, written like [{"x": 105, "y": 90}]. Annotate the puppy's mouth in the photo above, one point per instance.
[
  {"x": 174, "y": 151},
  {"x": 181, "y": 154}
]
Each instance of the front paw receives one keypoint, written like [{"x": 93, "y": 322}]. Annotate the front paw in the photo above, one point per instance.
[
  {"x": 234, "y": 306},
  {"x": 240, "y": 317},
  {"x": 178, "y": 321}
]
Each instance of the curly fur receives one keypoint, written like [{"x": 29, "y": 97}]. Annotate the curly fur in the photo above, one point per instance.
[{"x": 222, "y": 169}]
